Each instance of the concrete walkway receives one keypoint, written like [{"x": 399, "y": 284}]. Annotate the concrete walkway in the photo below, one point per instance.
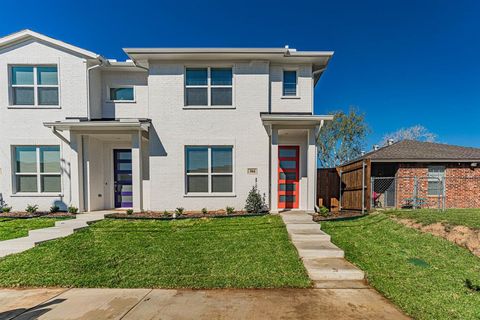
[
  {"x": 61, "y": 229},
  {"x": 323, "y": 260},
  {"x": 134, "y": 304}
]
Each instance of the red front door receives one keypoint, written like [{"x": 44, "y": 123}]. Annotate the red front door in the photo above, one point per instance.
[{"x": 288, "y": 171}]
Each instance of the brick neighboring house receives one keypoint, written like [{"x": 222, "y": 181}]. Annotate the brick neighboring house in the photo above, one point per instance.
[
  {"x": 409, "y": 173},
  {"x": 432, "y": 171}
]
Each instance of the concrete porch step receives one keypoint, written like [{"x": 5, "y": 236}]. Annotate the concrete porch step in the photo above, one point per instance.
[
  {"x": 332, "y": 269},
  {"x": 307, "y": 234},
  {"x": 293, "y": 217},
  {"x": 317, "y": 249}
]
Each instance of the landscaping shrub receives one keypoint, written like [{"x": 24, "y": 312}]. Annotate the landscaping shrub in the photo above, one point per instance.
[
  {"x": 255, "y": 202},
  {"x": 31, "y": 208},
  {"x": 129, "y": 211},
  {"x": 54, "y": 209},
  {"x": 230, "y": 210},
  {"x": 204, "y": 211},
  {"x": 178, "y": 212},
  {"x": 72, "y": 209},
  {"x": 5, "y": 209},
  {"x": 324, "y": 212},
  {"x": 165, "y": 213}
]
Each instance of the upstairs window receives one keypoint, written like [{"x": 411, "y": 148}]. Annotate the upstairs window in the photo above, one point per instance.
[
  {"x": 289, "y": 83},
  {"x": 126, "y": 94},
  {"x": 34, "y": 85},
  {"x": 208, "y": 87}
]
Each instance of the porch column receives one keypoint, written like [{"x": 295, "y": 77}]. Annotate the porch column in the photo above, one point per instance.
[
  {"x": 76, "y": 172},
  {"x": 311, "y": 170},
  {"x": 274, "y": 171},
  {"x": 137, "y": 185}
]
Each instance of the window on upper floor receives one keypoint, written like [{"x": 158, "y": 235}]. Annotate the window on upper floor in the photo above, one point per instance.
[
  {"x": 208, "y": 87},
  {"x": 209, "y": 169},
  {"x": 34, "y": 85},
  {"x": 289, "y": 83},
  {"x": 122, "y": 93},
  {"x": 37, "y": 169}
]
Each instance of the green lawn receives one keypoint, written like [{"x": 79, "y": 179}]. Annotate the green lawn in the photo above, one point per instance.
[
  {"x": 421, "y": 273},
  {"x": 252, "y": 252},
  {"x": 16, "y": 228},
  {"x": 454, "y": 217}
]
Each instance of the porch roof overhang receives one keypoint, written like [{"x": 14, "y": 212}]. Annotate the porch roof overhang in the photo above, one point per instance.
[
  {"x": 294, "y": 119},
  {"x": 100, "y": 125}
]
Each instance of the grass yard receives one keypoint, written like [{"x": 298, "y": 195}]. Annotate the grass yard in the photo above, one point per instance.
[
  {"x": 423, "y": 274},
  {"x": 455, "y": 217},
  {"x": 252, "y": 252},
  {"x": 16, "y": 228}
]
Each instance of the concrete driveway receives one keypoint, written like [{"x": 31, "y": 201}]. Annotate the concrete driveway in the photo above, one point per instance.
[{"x": 129, "y": 304}]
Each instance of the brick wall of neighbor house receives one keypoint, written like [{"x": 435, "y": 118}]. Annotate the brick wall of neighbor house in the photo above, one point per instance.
[{"x": 462, "y": 184}]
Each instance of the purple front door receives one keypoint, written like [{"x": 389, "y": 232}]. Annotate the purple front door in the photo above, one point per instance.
[{"x": 122, "y": 160}]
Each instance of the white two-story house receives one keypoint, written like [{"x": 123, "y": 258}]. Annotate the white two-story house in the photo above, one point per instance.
[{"x": 168, "y": 128}]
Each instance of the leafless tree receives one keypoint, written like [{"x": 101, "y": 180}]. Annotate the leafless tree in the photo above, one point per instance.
[{"x": 417, "y": 132}]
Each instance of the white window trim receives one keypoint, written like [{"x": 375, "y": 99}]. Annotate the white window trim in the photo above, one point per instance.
[
  {"x": 437, "y": 177},
  {"x": 109, "y": 98},
  {"x": 208, "y": 86},
  {"x": 297, "y": 94},
  {"x": 38, "y": 173},
  {"x": 209, "y": 173},
  {"x": 35, "y": 87}
]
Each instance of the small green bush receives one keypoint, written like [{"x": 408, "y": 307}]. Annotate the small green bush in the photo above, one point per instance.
[
  {"x": 324, "y": 212},
  {"x": 230, "y": 210},
  {"x": 179, "y": 211},
  {"x": 204, "y": 211},
  {"x": 129, "y": 211},
  {"x": 72, "y": 209},
  {"x": 255, "y": 203},
  {"x": 5, "y": 209},
  {"x": 54, "y": 209},
  {"x": 166, "y": 213},
  {"x": 31, "y": 208}
]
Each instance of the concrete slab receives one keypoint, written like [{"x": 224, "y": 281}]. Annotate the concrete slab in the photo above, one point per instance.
[
  {"x": 14, "y": 302},
  {"x": 341, "y": 284},
  {"x": 87, "y": 304},
  {"x": 317, "y": 249},
  {"x": 264, "y": 304},
  {"x": 332, "y": 269},
  {"x": 292, "y": 217}
]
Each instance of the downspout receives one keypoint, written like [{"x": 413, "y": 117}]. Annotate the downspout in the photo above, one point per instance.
[{"x": 102, "y": 62}]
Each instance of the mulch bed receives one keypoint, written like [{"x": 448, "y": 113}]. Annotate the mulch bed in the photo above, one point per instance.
[
  {"x": 344, "y": 215},
  {"x": 38, "y": 214},
  {"x": 157, "y": 215}
]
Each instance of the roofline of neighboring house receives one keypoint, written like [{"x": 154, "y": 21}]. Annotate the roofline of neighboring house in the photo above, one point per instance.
[
  {"x": 26, "y": 34},
  {"x": 420, "y": 160}
]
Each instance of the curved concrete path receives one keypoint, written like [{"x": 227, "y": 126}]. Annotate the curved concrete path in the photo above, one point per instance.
[
  {"x": 61, "y": 229},
  {"x": 134, "y": 304}
]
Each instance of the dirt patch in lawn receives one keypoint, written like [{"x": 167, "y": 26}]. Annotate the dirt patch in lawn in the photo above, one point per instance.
[
  {"x": 463, "y": 236},
  {"x": 344, "y": 215}
]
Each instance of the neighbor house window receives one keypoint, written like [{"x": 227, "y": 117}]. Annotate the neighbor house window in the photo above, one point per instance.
[
  {"x": 436, "y": 175},
  {"x": 289, "y": 83},
  {"x": 208, "y": 86},
  {"x": 209, "y": 169},
  {"x": 37, "y": 169},
  {"x": 34, "y": 85},
  {"x": 122, "y": 94}
]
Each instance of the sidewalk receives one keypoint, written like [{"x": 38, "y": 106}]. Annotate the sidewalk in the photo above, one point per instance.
[{"x": 130, "y": 304}]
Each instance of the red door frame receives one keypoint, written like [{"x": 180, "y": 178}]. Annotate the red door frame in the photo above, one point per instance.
[{"x": 296, "y": 193}]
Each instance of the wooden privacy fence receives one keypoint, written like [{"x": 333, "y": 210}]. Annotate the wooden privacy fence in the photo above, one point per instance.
[
  {"x": 328, "y": 188},
  {"x": 342, "y": 188},
  {"x": 355, "y": 186}
]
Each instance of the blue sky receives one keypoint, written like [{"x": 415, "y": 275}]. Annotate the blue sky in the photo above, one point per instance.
[{"x": 401, "y": 62}]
